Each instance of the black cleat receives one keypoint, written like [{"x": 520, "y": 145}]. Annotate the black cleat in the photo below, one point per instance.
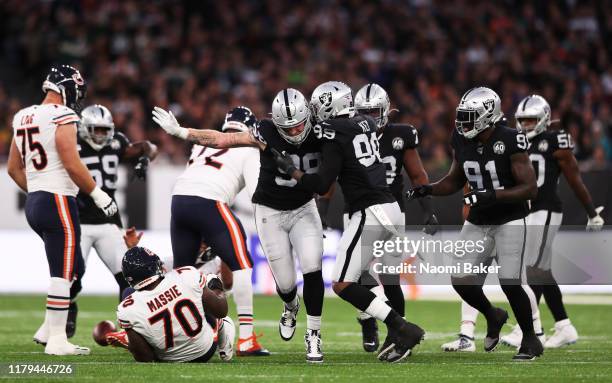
[
  {"x": 387, "y": 345},
  {"x": 494, "y": 325},
  {"x": 73, "y": 311},
  {"x": 531, "y": 348},
  {"x": 409, "y": 335},
  {"x": 369, "y": 333}
]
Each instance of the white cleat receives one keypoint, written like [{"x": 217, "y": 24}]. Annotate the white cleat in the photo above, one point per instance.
[
  {"x": 288, "y": 321},
  {"x": 463, "y": 344},
  {"x": 225, "y": 339},
  {"x": 565, "y": 334},
  {"x": 42, "y": 334},
  {"x": 515, "y": 338},
  {"x": 59, "y": 345},
  {"x": 313, "y": 342}
]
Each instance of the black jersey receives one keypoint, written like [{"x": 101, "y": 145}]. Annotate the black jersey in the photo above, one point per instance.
[
  {"x": 276, "y": 189},
  {"x": 350, "y": 152},
  {"x": 488, "y": 166},
  {"x": 541, "y": 150},
  {"x": 394, "y": 141},
  {"x": 103, "y": 166}
]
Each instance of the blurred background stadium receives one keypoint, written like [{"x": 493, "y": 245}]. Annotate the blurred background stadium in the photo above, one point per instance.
[{"x": 200, "y": 58}]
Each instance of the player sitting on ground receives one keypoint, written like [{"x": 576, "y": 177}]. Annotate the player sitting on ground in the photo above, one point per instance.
[{"x": 164, "y": 317}]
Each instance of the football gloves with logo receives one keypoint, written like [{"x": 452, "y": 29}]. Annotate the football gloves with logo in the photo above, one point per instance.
[
  {"x": 104, "y": 202},
  {"x": 479, "y": 197},
  {"x": 596, "y": 223},
  {"x": 284, "y": 162},
  {"x": 168, "y": 122},
  {"x": 419, "y": 192}
]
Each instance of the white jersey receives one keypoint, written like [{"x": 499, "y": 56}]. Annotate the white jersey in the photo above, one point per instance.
[
  {"x": 171, "y": 316},
  {"x": 219, "y": 174},
  {"x": 34, "y": 131}
]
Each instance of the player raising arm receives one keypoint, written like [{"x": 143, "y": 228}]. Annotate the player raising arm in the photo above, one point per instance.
[{"x": 45, "y": 163}]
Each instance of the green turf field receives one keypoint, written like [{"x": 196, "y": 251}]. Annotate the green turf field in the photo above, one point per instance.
[{"x": 590, "y": 360}]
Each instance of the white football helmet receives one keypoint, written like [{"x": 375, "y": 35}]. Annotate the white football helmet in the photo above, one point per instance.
[
  {"x": 374, "y": 98},
  {"x": 536, "y": 107},
  {"x": 96, "y": 116},
  {"x": 290, "y": 109},
  {"x": 331, "y": 99},
  {"x": 478, "y": 110}
]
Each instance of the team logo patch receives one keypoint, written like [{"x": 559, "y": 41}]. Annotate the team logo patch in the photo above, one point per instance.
[
  {"x": 489, "y": 104},
  {"x": 115, "y": 144},
  {"x": 78, "y": 79},
  {"x": 543, "y": 146},
  {"x": 499, "y": 147},
  {"x": 325, "y": 98},
  {"x": 397, "y": 143}
]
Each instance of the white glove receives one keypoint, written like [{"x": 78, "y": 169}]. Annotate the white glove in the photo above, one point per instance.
[
  {"x": 596, "y": 223},
  {"x": 168, "y": 122},
  {"x": 213, "y": 281},
  {"x": 104, "y": 202}
]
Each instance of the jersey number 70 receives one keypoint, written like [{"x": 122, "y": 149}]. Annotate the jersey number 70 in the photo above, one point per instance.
[{"x": 179, "y": 314}]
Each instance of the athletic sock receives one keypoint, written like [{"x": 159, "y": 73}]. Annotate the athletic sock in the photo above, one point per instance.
[
  {"x": 58, "y": 301},
  {"x": 554, "y": 300},
  {"x": 474, "y": 296},
  {"x": 313, "y": 322},
  {"x": 313, "y": 293},
  {"x": 242, "y": 290},
  {"x": 535, "y": 310},
  {"x": 290, "y": 298},
  {"x": 468, "y": 319},
  {"x": 394, "y": 293},
  {"x": 519, "y": 301},
  {"x": 365, "y": 300}
]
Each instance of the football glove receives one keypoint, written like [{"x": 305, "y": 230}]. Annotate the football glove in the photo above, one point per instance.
[
  {"x": 596, "y": 223},
  {"x": 479, "y": 197},
  {"x": 213, "y": 282},
  {"x": 168, "y": 122},
  {"x": 419, "y": 192},
  {"x": 104, "y": 202},
  {"x": 140, "y": 170},
  {"x": 431, "y": 224},
  {"x": 284, "y": 162}
]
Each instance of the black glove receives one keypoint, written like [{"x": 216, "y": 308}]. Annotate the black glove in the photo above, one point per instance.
[
  {"x": 213, "y": 282},
  {"x": 419, "y": 192},
  {"x": 140, "y": 170},
  {"x": 431, "y": 224},
  {"x": 479, "y": 197},
  {"x": 284, "y": 162}
]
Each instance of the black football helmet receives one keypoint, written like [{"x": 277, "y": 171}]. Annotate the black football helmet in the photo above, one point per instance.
[
  {"x": 141, "y": 267},
  {"x": 240, "y": 118},
  {"x": 68, "y": 82}
]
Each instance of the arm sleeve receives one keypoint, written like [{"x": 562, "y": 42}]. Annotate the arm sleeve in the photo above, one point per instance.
[{"x": 331, "y": 164}]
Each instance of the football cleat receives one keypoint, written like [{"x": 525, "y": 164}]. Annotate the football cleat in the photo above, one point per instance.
[
  {"x": 369, "y": 333},
  {"x": 408, "y": 336},
  {"x": 225, "y": 339},
  {"x": 530, "y": 349},
  {"x": 564, "y": 335},
  {"x": 463, "y": 343},
  {"x": 71, "y": 322},
  {"x": 313, "y": 343},
  {"x": 387, "y": 345},
  {"x": 515, "y": 338},
  {"x": 59, "y": 345},
  {"x": 118, "y": 339},
  {"x": 42, "y": 334},
  {"x": 250, "y": 347},
  {"x": 288, "y": 321},
  {"x": 494, "y": 326}
]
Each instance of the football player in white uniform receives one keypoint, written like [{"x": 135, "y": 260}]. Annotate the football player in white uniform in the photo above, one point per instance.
[
  {"x": 286, "y": 216},
  {"x": 200, "y": 212},
  {"x": 164, "y": 317},
  {"x": 45, "y": 163}
]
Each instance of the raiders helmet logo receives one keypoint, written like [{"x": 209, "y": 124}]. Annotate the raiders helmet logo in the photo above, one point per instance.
[
  {"x": 488, "y": 105},
  {"x": 499, "y": 147},
  {"x": 543, "y": 146},
  {"x": 325, "y": 98},
  {"x": 397, "y": 143},
  {"x": 115, "y": 144}
]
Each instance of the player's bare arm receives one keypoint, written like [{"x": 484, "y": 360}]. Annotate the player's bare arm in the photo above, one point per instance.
[
  {"x": 524, "y": 175},
  {"x": 451, "y": 182},
  {"x": 141, "y": 148},
  {"x": 139, "y": 348},
  {"x": 204, "y": 137},
  {"x": 569, "y": 166},
  {"x": 214, "y": 300},
  {"x": 414, "y": 167},
  {"x": 16, "y": 168}
]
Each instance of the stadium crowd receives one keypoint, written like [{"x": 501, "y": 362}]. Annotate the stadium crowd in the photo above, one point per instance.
[{"x": 200, "y": 58}]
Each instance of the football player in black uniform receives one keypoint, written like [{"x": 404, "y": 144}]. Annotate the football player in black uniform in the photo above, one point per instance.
[
  {"x": 398, "y": 148},
  {"x": 550, "y": 152},
  {"x": 350, "y": 154},
  {"x": 286, "y": 214},
  {"x": 493, "y": 159},
  {"x": 101, "y": 149}
]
